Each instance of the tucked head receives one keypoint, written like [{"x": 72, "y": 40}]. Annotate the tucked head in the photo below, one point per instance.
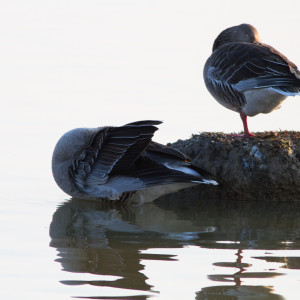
[
  {"x": 71, "y": 143},
  {"x": 240, "y": 33},
  {"x": 69, "y": 146}
]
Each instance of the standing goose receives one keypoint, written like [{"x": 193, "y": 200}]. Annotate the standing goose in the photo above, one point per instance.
[
  {"x": 247, "y": 76},
  {"x": 121, "y": 163}
]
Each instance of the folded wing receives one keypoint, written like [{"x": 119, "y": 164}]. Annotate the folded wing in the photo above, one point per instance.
[
  {"x": 123, "y": 159},
  {"x": 250, "y": 66},
  {"x": 112, "y": 150}
]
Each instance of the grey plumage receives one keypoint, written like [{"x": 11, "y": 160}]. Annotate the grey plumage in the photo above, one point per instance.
[
  {"x": 247, "y": 76},
  {"x": 121, "y": 163}
]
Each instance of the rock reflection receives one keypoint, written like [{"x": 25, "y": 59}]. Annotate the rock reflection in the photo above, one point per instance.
[
  {"x": 98, "y": 238},
  {"x": 286, "y": 262},
  {"x": 253, "y": 224},
  {"x": 237, "y": 293}
]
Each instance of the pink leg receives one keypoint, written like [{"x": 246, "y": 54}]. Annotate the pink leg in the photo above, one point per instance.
[{"x": 247, "y": 133}]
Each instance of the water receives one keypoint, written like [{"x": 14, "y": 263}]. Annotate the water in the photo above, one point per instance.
[{"x": 179, "y": 247}]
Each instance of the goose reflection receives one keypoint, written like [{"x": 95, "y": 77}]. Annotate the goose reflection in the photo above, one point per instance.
[
  {"x": 107, "y": 239},
  {"x": 238, "y": 290}
]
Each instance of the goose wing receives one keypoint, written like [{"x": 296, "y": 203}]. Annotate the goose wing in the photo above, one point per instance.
[
  {"x": 177, "y": 160},
  {"x": 112, "y": 150},
  {"x": 166, "y": 151},
  {"x": 246, "y": 66}
]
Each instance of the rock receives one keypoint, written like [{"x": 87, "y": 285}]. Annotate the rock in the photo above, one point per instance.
[{"x": 266, "y": 167}]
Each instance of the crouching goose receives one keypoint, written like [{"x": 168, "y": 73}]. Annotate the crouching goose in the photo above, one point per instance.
[
  {"x": 121, "y": 163},
  {"x": 247, "y": 76}
]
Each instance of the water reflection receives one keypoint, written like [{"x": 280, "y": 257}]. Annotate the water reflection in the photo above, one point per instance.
[
  {"x": 237, "y": 293},
  {"x": 97, "y": 238}
]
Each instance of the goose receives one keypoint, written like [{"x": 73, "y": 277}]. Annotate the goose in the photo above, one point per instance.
[
  {"x": 121, "y": 164},
  {"x": 247, "y": 76}
]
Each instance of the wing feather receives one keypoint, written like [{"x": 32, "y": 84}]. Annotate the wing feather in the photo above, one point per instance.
[
  {"x": 111, "y": 151},
  {"x": 124, "y": 159},
  {"x": 257, "y": 66},
  {"x": 236, "y": 67},
  {"x": 165, "y": 150}
]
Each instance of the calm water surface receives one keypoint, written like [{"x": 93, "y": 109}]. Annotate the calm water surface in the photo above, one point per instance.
[{"x": 180, "y": 247}]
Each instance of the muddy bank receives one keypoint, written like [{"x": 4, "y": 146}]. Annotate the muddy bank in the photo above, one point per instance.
[{"x": 266, "y": 167}]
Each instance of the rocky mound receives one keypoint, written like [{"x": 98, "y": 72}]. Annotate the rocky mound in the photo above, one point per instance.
[{"x": 266, "y": 167}]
